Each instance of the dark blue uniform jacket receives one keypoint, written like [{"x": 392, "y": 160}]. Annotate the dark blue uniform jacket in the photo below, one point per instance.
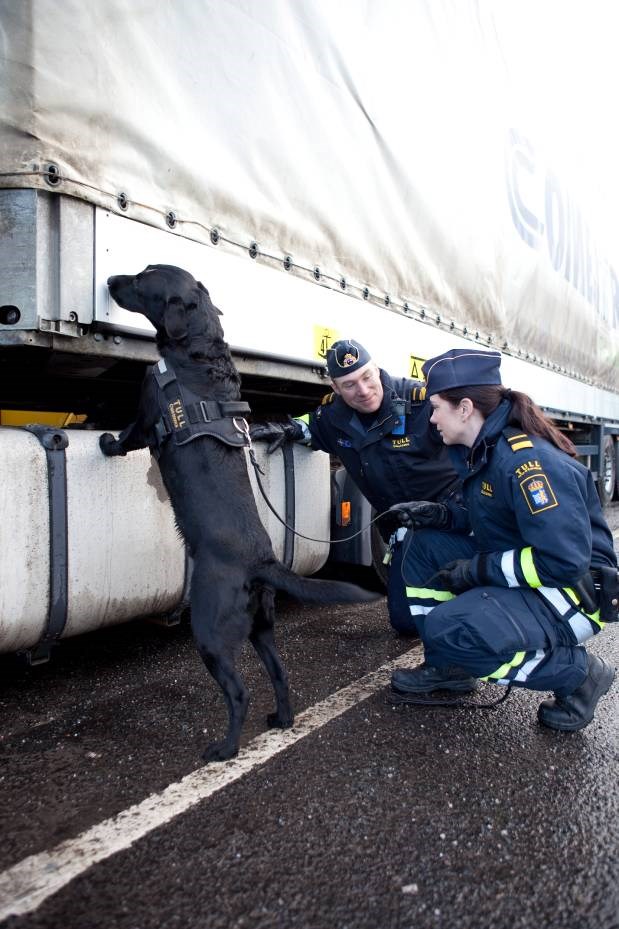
[
  {"x": 387, "y": 468},
  {"x": 534, "y": 510}
]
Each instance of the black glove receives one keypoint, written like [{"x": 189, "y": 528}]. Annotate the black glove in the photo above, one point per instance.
[
  {"x": 276, "y": 433},
  {"x": 421, "y": 514},
  {"x": 110, "y": 446},
  {"x": 457, "y": 576},
  {"x": 387, "y": 524}
]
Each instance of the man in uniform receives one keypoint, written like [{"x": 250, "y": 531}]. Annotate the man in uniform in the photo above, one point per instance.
[{"x": 379, "y": 427}]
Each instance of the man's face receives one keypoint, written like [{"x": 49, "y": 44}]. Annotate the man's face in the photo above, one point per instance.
[{"x": 362, "y": 390}]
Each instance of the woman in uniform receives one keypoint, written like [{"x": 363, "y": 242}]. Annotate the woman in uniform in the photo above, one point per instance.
[{"x": 510, "y": 586}]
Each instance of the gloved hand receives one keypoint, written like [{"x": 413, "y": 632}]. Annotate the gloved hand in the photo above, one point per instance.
[
  {"x": 387, "y": 524},
  {"x": 110, "y": 446},
  {"x": 457, "y": 576},
  {"x": 276, "y": 433},
  {"x": 421, "y": 514}
]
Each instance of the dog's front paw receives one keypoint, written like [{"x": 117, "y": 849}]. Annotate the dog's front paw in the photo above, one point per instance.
[
  {"x": 219, "y": 751},
  {"x": 110, "y": 446}
]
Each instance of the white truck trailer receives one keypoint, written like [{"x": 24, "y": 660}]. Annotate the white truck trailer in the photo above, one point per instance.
[{"x": 350, "y": 169}]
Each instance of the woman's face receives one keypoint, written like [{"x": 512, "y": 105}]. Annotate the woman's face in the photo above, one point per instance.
[{"x": 450, "y": 421}]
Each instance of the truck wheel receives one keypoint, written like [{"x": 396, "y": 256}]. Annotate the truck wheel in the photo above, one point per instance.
[
  {"x": 379, "y": 547},
  {"x": 607, "y": 480}
]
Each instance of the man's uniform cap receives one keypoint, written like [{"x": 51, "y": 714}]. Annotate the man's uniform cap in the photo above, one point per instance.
[{"x": 344, "y": 357}]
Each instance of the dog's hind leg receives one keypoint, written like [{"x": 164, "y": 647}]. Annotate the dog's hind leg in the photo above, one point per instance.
[
  {"x": 262, "y": 638},
  {"x": 219, "y": 627},
  {"x": 237, "y": 701}
]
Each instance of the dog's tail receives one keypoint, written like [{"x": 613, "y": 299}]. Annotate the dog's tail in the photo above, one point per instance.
[{"x": 309, "y": 590}]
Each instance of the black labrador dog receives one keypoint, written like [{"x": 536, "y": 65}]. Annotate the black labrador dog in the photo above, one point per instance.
[{"x": 235, "y": 572}]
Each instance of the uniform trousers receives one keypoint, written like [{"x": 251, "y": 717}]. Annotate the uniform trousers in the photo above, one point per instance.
[{"x": 501, "y": 634}]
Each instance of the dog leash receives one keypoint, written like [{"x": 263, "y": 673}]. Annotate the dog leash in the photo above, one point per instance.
[
  {"x": 242, "y": 426},
  {"x": 394, "y": 698}
]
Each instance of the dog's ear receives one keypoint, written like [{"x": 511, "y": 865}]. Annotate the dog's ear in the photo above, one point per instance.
[
  {"x": 208, "y": 296},
  {"x": 174, "y": 319}
]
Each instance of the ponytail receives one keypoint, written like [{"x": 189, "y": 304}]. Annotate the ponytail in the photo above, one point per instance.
[
  {"x": 525, "y": 414},
  {"x": 528, "y": 416}
]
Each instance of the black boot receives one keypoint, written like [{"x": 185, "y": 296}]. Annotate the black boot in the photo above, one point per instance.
[
  {"x": 576, "y": 710},
  {"x": 425, "y": 679}
]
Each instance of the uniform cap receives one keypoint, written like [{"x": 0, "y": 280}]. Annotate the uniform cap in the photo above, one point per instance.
[
  {"x": 344, "y": 357},
  {"x": 461, "y": 367}
]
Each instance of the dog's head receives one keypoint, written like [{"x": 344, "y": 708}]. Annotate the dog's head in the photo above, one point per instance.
[{"x": 177, "y": 305}]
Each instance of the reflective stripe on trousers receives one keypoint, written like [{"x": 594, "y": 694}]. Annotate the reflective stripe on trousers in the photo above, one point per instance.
[
  {"x": 563, "y": 599},
  {"x": 425, "y": 599},
  {"x": 518, "y": 669}
]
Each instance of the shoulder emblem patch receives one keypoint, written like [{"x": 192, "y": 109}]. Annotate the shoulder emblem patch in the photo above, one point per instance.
[
  {"x": 418, "y": 394},
  {"x": 538, "y": 493},
  {"x": 328, "y": 398},
  {"x": 486, "y": 489},
  {"x": 521, "y": 440}
]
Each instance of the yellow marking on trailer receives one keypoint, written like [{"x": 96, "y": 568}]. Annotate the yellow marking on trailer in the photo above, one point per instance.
[
  {"x": 324, "y": 337},
  {"x": 415, "y": 370}
]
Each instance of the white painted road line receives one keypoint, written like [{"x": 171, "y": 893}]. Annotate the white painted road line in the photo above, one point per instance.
[{"x": 27, "y": 884}]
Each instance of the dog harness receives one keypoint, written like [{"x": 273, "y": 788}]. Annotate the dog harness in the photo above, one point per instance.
[{"x": 185, "y": 417}]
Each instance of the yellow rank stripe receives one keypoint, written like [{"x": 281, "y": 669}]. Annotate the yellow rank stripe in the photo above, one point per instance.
[
  {"x": 518, "y": 445},
  {"x": 517, "y": 442}
]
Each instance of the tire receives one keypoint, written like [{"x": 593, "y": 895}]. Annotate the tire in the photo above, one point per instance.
[{"x": 607, "y": 479}]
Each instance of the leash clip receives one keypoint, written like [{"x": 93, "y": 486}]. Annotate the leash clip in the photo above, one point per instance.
[{"x": 242, "y": 426}]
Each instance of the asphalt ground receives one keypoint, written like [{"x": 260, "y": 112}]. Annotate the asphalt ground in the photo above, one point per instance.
[{"x": 379, "y": 816}]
